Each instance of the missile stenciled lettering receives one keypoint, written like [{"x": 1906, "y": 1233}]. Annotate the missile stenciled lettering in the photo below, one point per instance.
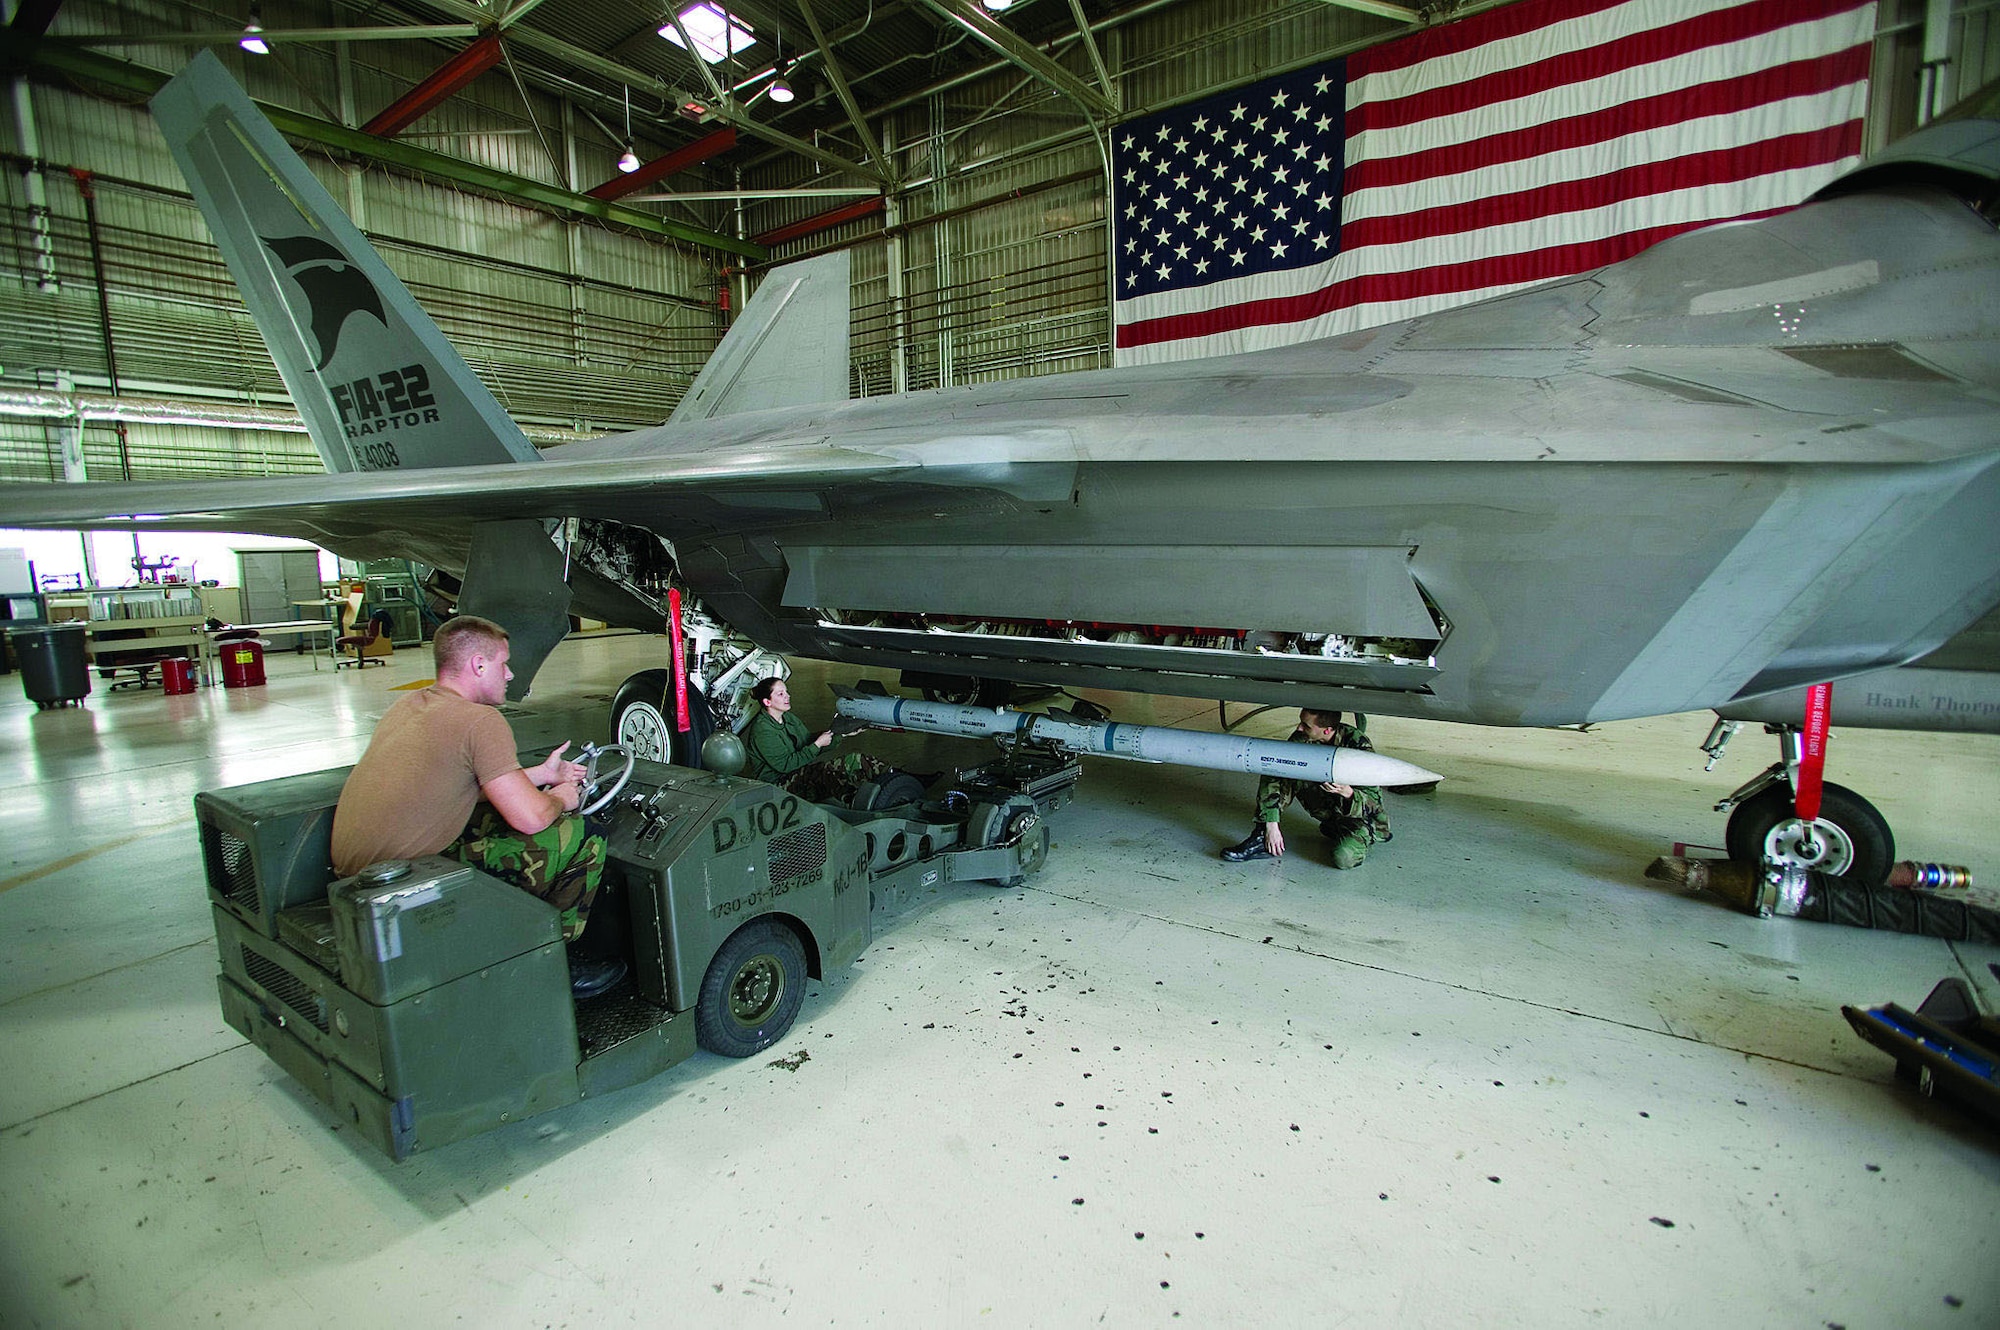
[{"x": 374, "y": 404}]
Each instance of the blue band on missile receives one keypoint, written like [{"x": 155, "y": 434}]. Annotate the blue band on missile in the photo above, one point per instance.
[
  {"x": 896, "y": 714},
  {"x": 1110, "y": 729}
]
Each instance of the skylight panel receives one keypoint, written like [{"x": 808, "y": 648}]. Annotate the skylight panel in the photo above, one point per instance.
[{"x": 717, "y": 33}]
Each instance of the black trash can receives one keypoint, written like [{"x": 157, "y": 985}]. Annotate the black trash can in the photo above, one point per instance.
[{"x": 55, "y": 668}]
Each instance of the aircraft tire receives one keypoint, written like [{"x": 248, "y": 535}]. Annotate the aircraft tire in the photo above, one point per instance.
[
  {"x": 1858, "y": 843},
  {"x": 752, "y": 991},
  {"x": 967, "y": 691},
  {"x": 642, "y": 720}
]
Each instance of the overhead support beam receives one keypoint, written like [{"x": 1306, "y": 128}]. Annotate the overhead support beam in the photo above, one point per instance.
[
  {"x": 730, "y": 195},
  {"x": 564, "y": 172},
  {"x": 63, "y": 64},
  {"x": 1003, "y": 39},
  {"x": 453, "y": 74},
  {"x": 33, "y": 17},
  {"x": 680, "y": 159},
  {"x": 279, "y": 36},
  {"x": 518, "y": 12},
  {"x": 1379, "y": 8},
  {"x": 1096, "y": 56},
  {"x": 838, "y": 78},
  {"x": 718, "y": 107},
  {"x": 824, "y": 221},
  {"x": 730, "y": 113},
  {"x": 537, "y": 40},
  {"x": 693, "y": 53}
]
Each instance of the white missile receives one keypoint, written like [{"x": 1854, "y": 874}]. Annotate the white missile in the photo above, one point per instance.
[{"x": 1143, "y": 743}]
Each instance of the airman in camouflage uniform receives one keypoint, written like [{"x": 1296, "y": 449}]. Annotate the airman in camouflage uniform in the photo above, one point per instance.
[
  {"x": 442, "y": 775},
  {"x": 1352, "y": 817},
  {"x": 562, "y": 863}
]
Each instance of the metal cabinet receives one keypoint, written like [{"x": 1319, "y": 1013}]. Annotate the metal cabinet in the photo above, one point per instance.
[{"x": 273, "y": 580}]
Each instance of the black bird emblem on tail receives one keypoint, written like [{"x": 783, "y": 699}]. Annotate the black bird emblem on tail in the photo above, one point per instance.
[{"x": 333, "y": 286}]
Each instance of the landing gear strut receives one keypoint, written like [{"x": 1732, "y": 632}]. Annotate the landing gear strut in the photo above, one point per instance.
[{"x": 1849, "y": 838}]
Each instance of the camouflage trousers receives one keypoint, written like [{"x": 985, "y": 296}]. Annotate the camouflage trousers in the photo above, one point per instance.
[
  {"x": 561, "y": 864},
  {"x": 1361, "y": 812},
  {"x": 835, "y": 780}
]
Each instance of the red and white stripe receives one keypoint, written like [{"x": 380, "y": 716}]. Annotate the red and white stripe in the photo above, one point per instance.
[{"x": 1540, "y": 140}]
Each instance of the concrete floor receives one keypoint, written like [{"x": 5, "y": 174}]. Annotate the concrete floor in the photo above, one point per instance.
[{"x": 1492, "y": 1077}]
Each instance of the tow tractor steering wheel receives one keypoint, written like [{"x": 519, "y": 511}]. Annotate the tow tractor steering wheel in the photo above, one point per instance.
[{"x": 599, "y": 789}]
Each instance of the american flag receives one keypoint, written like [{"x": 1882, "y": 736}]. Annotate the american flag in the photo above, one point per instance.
[{"x": 1530, "y": 142}]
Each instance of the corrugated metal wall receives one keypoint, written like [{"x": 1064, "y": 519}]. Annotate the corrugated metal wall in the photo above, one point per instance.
[
  {"x": 990, "y": 290},
  {"x": 1971, "y": 61},
  {"x": 1977, "y": 41}
]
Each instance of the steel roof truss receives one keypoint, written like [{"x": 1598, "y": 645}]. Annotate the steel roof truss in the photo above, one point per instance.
[
  {"x": 838, "y": 78},
  {"x": 1004, "y": 40}
]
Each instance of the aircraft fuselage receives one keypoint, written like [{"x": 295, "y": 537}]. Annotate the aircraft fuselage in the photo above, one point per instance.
[{"x": 1753, "y": 456}]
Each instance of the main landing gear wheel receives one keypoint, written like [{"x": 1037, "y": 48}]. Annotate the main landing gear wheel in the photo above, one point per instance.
[
  {"x": 752, "y": 991},
  {"x": 1849, "y": 839},
  {"x": 642, "y": 720}
]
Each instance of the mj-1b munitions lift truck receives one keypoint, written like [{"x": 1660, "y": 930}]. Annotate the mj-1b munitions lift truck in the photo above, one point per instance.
[{"x": 426, "y": 1001}]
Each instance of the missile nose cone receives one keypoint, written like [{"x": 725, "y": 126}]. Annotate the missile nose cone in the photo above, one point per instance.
[{"x": 1354, "y": 766}]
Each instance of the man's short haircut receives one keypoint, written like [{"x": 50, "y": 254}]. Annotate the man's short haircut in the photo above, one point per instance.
[
  {"x": 1323, "y": 719},
  {"x": 462, "y": 638},
  {"x": 761, "y": 690}
]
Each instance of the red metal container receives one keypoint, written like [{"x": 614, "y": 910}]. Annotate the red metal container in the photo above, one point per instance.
[
  {"x": 177, "y": 675},
  {"x": 242, "y": 664}
]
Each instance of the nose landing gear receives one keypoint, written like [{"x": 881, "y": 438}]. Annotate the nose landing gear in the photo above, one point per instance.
[{"x": 1849, "y": 838}]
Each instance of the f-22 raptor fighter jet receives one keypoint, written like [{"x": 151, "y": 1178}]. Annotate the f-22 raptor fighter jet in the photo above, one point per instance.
[{"x": 1754, "y": 457}]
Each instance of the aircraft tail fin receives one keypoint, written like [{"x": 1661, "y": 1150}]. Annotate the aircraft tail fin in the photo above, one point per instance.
[
  {"x": 374, "y": 377},
  {"x": 787, "y": 348}
]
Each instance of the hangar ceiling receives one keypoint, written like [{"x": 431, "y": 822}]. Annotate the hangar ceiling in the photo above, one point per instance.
[{"x": 705, "y": 132}]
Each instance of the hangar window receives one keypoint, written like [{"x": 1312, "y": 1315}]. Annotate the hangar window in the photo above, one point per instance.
[{"x": 716, "y": 33}]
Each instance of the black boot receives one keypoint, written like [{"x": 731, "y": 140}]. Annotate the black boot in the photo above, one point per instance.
[
  {"x": 1250, "y": 847},
  {"x": 590, "y": 976}
]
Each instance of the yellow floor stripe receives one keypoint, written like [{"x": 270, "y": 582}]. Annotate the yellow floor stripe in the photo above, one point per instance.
[
  {"x": 35, "y": 875},
  {"x": 406, "y": 687}
]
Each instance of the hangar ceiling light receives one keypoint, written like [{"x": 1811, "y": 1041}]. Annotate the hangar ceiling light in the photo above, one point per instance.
[
  {"x": 252, "y": 39},
  {"x": 628, "y": 161}
]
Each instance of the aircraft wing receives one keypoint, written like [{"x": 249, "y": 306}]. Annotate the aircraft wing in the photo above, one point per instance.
[{"x": 689, "y": 492}]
